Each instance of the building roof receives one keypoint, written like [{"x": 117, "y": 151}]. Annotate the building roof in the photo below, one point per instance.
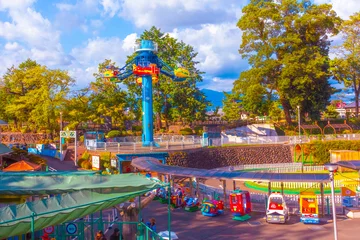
[
  {"x": 22, "y": 166},
  {"x": 353, "y": 164},
  {"x": 153, "y": 165},
  {"x": 4, "y": 149},
  {"x": 350, "y": 105}
]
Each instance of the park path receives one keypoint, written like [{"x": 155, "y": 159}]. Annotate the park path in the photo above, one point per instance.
[{"x": 60, "y": 165}]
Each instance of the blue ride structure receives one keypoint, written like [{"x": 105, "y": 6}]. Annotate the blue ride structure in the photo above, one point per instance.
[{"x": 146, "y": 66}]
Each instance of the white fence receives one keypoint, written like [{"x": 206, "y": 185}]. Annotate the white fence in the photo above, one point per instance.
[{"x": 168, "y": 142}]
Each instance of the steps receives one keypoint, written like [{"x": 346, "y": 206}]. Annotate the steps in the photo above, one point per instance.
[{"x": 70, "y": 154}]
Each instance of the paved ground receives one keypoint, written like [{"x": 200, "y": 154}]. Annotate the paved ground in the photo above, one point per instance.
[
  {"x": 60, "y": 166},
  {"x": 194, "y": 226}
]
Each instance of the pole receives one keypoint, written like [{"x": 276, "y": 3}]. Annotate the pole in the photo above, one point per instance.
[
  {"x": 75, "y": 149},
  {"x": 322, "y": 199},
  {"x": 61, "y": 157},
  {"x": 298, "y": 107},
  {"x": 61, "y": 122},
  {"x": 224, "y": 188},
  {"x": 333, "y": 204},
  {"x": 32, "y": 226},
  {"x": 169, "y": 211}
]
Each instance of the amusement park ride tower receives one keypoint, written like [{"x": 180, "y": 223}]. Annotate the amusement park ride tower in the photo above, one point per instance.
[{"x": 146, "y": 66}]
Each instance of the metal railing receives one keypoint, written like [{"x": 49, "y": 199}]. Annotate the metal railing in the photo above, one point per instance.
[{"x": 178, "y": 142}]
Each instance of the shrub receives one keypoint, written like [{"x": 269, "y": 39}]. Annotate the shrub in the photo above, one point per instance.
[
  {"x": 136, "y": 128},
  {"x": 85, "y": 155},
  {"x": 113, "y": 133},
  {"x": 81, "y": 138},
  {"x": 198, "y": 130},
  {"x": 87, "y": 165},
  {"x": 320, "y": 149},
  {"x": 186, "y": 131}
]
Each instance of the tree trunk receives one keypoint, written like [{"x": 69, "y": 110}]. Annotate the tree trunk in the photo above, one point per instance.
[
  {"x": 158, "y": 121},
  {"x": 286, "y": 107},
  {"x": 357, "y": 103},
  {"x": 131, "y": 214}
]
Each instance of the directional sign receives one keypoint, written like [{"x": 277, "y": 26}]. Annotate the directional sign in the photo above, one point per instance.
[
  {"x": 71, "y": 228},
  {"x": 49, "y": 230},
  {"x": 68, "y": 134}
]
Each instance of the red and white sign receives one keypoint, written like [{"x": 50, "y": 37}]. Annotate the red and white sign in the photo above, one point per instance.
[{"x": 49, "y": 230}]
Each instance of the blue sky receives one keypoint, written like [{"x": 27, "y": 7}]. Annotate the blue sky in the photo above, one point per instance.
[{"x": 76, "y": 35}]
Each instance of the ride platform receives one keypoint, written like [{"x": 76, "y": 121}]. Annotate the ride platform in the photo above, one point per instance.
[{"x": 242, "y": 218}]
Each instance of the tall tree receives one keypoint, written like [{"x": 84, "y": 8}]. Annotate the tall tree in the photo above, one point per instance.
[
  {"x": 286, "y": 43},
  {"x": 346, "y": 66},
  {"x": 232, "y": 107},
  {"x": 107, "y": 99},
  {"x": 173, "y": 100},
  {"x": 34, "y": 94}
]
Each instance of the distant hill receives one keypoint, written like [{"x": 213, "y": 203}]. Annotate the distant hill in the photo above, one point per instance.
[{"x": 214, "y": 97}]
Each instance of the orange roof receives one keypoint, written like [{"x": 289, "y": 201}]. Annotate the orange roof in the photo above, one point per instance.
[{"x": 22, "y": 166}]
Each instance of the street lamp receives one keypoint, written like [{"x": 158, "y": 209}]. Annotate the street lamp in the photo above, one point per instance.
[
  {"x": 331, "y": 167},
  {"x": 61, "y": 123},
  {"x": 298, "y": 107}
]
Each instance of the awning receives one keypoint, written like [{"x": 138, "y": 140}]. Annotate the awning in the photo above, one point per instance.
[
  {"x": 22, "y": 166},
  {"x": 4, "y": 149},
  {"x": 38, "y": 183},
  {"x": 353, "y": 164},
  {"x": 98, "y": 194},
  {"x": 153, "y": 165}
]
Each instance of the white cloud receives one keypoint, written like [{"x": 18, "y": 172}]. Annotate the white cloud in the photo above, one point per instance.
[
  {"x": 12, "y": 46},
  {"x": 343, "y": 8},
  {"x": 217, "y": 47},
  {"x": 218, "y": 84},
  {"x": 111, "y": 7},
  {"x": 29, "y": 35},
  {"x": 177, "y": 13},
  {"x": 95, "y": 51}
]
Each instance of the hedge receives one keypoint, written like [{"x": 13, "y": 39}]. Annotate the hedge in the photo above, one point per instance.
[{"x": 320, "y": 149}]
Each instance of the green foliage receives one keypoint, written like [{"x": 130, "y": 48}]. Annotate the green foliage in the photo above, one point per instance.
[
  {"x": 86, "y": 155},
  {"x": 346, "y": 66},
  {"x": 331, "y": 112},
  {"x": 172, "y": 100},
  {"x": 287, "y": 46},
  {"x": 113, "y": 133},
  {"x": 320, "y": 149},
  {"x": 136, "y": 128},
  {"x": 186, "y": 131},
  {"x": 232, "y": 107},
  {"x": 33, "y": 94},
  {"x": 199, "y": 130}
]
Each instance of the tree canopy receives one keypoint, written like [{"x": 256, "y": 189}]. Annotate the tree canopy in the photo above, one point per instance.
[{"x": 287, "y": 46}]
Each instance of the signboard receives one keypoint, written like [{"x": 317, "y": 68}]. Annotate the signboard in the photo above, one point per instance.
[
  {"x": 68, "y": 134},
  {"x": 348, "y": 191},
  {"x": 95, "y": 162},
  {"x": 71, "y": 228},
  {"x": 113, "y": 163},
  {"x": 49, "y": 230}
]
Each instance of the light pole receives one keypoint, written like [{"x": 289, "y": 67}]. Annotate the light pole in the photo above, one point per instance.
[
  {"x": 61, "y": 123},
  {"x": 298, "y": 107},
  {"x": 331, "y": 167}
]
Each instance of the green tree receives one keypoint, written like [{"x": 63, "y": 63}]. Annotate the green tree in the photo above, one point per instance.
[
  {"x": 286, "y": 44},
  {"x": 172, "y": 100},
  {"x": 232, "y": 107},
  {"x": 77, "y": 108},
  {"x": 331, "y": 112},
  {"x": 107, "y": 99},
  {"x": 346, "y": 66},
  {"x": 34, "y": 94}
]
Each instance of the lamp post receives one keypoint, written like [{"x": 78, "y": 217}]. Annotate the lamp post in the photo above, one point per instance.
[
  {"x": 298, "y": 107},
  {"x": 61, "y": 123},
  {"x": 331, "y": 167}
]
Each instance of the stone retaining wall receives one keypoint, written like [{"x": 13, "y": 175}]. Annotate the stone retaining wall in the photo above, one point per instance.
[{"x": 209, "y": 158}]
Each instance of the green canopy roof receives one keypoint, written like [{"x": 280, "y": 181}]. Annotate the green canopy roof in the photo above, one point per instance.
[
  {"x": 100, "y": 192},
  {"x": 39, "y": 183}
]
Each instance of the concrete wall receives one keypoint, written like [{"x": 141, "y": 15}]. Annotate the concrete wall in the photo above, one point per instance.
[{"x": 209, "y": 158}]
